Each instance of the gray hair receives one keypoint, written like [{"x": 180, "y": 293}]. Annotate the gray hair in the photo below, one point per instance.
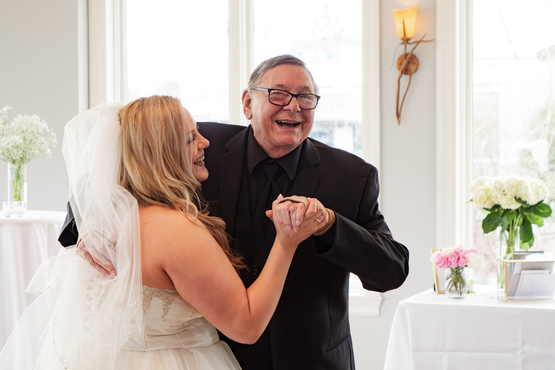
[{"x": 274, "y": 62}]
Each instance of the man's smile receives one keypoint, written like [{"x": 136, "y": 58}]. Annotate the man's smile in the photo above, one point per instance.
[{"x": 287, "y": 123}]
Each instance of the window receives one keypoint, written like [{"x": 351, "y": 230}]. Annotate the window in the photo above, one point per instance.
[
  {"x": 166, "y": 56},
  {"x": 204, "y": 52},
  {"x": 513, "y": 102},
  {"x": 503, "y": 94}
]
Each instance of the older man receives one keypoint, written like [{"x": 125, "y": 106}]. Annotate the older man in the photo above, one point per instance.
[
  {"x": 249, "y": 167},
  {"x": 310, "y": 328}
]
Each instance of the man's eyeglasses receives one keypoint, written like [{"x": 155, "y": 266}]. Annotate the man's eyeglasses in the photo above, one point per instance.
[{"x": 283, "y": 98}]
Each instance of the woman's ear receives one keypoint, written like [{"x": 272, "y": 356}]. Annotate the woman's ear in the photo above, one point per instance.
[{"x": 247, "y": 104}]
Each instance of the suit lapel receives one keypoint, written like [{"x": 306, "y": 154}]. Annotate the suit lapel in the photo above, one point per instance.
[
  {"x": 308, "y": 172},
  {"x": 231, "y": 166}
]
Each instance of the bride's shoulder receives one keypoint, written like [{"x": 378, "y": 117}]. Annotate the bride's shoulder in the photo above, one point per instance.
[
  {"x": 162, "y": 218},
  {"x": 153, "y": 213},
  {"x": 169, "y": 236}
]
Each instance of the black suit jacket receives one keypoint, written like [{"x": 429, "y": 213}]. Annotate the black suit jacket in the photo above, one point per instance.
[{"x": 310, "y": 328}]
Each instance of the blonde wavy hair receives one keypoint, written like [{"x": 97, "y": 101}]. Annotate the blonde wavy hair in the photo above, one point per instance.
[{"x": 156, "y": 163}]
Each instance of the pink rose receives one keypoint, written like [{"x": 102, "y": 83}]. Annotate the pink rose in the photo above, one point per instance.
[
  {"x": 462, "y": 259},
  {"x": 458, "y": 251},
  {"x": 452, "y": 261},
  {"x": 441, "y": 261}
]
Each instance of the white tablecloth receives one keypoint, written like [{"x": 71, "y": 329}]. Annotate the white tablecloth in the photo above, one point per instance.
[
  {"x": 430, "y": 331},
  {"x": 24, "y": 244}
]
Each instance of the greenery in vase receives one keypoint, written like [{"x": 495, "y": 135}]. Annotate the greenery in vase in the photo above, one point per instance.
[
  {"x": 512, "y": 204},
  {"x": 18, "y": 181},
  {"x": 22, "y": 139},
  {"x": 456, "y": 281}
]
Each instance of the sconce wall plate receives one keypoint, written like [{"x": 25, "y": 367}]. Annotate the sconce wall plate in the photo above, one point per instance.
[{"x": 410, "y": 67}]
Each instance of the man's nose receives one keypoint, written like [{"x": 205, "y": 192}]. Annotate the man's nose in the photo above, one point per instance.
[{"x": 294, "y": 104}]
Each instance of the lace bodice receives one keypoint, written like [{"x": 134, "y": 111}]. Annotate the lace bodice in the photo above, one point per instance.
[{"x": 170, "y": 322}]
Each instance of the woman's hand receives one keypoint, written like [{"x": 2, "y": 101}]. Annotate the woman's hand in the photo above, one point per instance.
[{"x": 313, "y": 218}]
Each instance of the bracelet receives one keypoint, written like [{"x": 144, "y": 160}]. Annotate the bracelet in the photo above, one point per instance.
[{"x": 295, "y": 199}]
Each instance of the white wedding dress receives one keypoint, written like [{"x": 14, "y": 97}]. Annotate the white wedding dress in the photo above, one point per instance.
[
  {"x": 175, "y": 337},
  {"x": 82, "y": 320}
]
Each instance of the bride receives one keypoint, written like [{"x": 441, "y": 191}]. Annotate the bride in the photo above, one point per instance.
[{"x": 134, "y": 175}]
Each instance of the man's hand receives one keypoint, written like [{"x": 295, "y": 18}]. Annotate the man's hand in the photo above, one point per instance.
[{"x": 105, "y": 269}]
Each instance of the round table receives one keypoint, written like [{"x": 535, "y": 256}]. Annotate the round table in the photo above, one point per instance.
[{"x": 24, "y": 244}]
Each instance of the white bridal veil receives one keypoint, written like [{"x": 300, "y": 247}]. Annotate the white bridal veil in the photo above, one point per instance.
[{"x": 80, "y": 318}]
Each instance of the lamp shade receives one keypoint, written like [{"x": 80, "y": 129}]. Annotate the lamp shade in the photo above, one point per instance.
[{"x": 407, "y": 15}]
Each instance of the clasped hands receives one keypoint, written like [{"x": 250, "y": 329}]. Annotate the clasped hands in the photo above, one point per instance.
[
  {"x": 99, "y": 250},
  {"x": 292, "y": 211}
]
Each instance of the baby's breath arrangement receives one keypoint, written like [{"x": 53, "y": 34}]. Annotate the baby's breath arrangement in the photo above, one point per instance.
[{"x": 22, "y": 139}]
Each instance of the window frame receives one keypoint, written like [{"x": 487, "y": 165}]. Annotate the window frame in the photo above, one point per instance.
[
  {"x": 454, "y": 217},
  {"x": 107, "y": 59},
  {"x": 107, "y": 81}
]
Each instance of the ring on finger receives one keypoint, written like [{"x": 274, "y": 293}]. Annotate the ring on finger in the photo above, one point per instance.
[{"x": 318, "y": 220}]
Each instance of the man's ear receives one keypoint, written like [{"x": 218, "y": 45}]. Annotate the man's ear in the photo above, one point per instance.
[{"x": 247, "y": 104}]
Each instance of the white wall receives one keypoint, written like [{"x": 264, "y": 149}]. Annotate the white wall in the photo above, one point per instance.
[
  {"x": 39, "y": 70},
  {"x": 39, "y": 74},
  {"x": 407, "y": 174}
]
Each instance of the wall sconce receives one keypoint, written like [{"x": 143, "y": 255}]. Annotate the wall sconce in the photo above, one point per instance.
[{"x": 407, "y": 64}]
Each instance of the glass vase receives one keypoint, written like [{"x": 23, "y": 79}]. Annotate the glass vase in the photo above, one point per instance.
[
  {"x": 456, "y": 283},
  {"x": 509, "y": 242},
  {"x": 16, "y": 206}
]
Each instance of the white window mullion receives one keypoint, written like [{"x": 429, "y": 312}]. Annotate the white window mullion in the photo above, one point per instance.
[
  {"x": 465, "y": 222},
  {"x": 446, "y": 147},
  {"x": 361, "y": 301},
  {"x": 454, "y": 123},
  {"x": 107, "y": 64},
  {"x": 371, "y": 82},
  {"x": 83, "y": 54},
  {"x": 120, "y": 55},
  {"x": 240, "y": 55}
]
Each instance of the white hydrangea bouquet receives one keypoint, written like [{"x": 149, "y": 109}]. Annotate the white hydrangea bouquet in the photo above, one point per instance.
[
  {"x": 513, "y": 204},
  {"x": 22, "y": 139}
]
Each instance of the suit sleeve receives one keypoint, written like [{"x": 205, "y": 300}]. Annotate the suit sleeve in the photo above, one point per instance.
[
  {"x": 69, "y": 235},
  {"x": 365, "y": 246}
]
